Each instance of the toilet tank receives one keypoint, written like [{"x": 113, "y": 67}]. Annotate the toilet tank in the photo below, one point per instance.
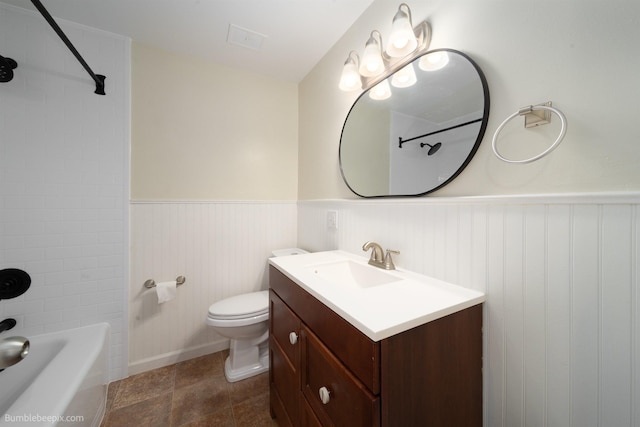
[{"x": 288, "y": 251}]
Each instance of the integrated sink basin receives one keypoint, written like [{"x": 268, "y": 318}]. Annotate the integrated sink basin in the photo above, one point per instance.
[
  {"x": 351, "y": 273},
  {"x": 380, "y": 303}
]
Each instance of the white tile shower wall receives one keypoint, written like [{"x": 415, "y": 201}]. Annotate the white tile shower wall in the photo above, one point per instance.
[
  {"x": 562, "y": 320},
  {"x": 221, "y": 247},
  {"x": 64, "y": 170}
]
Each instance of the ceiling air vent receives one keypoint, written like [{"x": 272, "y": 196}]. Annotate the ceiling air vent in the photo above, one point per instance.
[{"x": 245, "y": 38}]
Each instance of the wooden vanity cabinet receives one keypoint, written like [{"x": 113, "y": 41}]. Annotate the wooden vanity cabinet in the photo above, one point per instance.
[
  {"x": 284, "y": 362},
  {"x": 428, "y": 376}
]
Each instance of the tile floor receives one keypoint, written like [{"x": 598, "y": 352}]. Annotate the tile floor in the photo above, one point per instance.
[{"x": 193, "y": 393}]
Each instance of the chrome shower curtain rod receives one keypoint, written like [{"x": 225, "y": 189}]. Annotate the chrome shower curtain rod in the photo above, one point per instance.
[{"x": 98, "y": 78}]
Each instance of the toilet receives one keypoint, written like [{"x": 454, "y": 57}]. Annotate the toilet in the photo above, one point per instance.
[{"x": 244, "y": 319}]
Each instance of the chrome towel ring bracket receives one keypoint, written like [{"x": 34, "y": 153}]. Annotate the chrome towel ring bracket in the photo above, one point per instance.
[{"x": 533, "y": 119}]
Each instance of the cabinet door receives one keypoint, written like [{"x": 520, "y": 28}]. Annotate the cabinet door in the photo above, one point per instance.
[
  {"x": 284, "y": 328},
  {"x": 307, "y": 416},
  {"x": 284, "y": 362},
  {"x": 432, "y": 374},
  {"x": 336, "y": 396}
]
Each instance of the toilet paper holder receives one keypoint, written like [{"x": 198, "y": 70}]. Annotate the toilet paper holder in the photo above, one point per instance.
[{"x": 152, "y": 283}]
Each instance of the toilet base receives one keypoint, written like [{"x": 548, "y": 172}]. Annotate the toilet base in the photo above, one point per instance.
[{"x": 245, "y": 361}]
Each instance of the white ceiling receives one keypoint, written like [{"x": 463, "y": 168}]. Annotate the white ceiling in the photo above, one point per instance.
[{"x": 299, "y": 32}]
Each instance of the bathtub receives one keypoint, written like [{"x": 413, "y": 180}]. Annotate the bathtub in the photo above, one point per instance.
[{"x": 62, "y": 381}]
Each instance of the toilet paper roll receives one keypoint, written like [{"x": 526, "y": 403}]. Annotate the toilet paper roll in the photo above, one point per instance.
[{"x": 166, "y": 291}]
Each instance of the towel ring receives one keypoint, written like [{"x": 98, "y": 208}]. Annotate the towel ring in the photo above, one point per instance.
[{"x": 527, "y": 110}]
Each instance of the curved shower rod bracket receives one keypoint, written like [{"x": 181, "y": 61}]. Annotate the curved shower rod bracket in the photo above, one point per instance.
[{"x": 98, "y": 78}]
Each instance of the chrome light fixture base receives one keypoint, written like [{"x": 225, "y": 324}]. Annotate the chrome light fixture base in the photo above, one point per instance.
[{"x": 423, "y": 35}]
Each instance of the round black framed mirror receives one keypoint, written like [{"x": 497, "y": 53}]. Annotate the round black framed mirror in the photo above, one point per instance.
[{"x": 423, "y": 135}]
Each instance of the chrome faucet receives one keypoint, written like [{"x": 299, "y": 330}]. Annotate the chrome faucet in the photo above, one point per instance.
[
  {"x": 377, "y": 259},
  {"x": 376, "y": 253},
  {"x": 12, "y": 349}
]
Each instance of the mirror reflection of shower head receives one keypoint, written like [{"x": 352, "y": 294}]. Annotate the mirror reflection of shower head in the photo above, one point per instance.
[
  {"x": 433, "y": 149},
  {"x": 7, "y": 65}
]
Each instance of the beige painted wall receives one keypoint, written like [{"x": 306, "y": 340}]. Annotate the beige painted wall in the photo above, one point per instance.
[
  {"x": 201, "y": 131},
  {"x": 581, "y": 55}
]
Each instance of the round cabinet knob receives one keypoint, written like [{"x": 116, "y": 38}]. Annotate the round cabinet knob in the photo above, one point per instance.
[
  {"x": 293, "y": 338},
  {"x": 325, "y": 395}
]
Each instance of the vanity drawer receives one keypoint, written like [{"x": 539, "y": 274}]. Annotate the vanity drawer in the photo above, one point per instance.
[
  {"x": 355, "y": 350},
  {"x": 349, "y": 402}
]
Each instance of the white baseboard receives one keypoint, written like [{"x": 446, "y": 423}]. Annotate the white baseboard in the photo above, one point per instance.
[{"x": 173, "y": 357}]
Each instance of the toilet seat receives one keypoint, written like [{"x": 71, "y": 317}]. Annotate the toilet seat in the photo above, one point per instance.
[{"x": 242, "y": 306}]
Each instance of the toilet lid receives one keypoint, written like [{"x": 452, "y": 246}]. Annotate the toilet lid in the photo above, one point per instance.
[{"x": 239, "y": 306}]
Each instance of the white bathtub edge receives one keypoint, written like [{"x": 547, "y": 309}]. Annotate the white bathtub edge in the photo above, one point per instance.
[{"x": 73, "y": 383}]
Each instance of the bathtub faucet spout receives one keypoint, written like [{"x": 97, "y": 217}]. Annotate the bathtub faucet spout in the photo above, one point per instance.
[{"x": 12, "y": 349}]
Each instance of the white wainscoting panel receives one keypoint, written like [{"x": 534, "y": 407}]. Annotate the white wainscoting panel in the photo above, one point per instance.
[
  {"x": 220, "y": 247},
  {"x": 562, "y": 327}
]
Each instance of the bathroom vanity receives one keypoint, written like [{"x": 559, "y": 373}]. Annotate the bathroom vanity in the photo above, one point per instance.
[{"x": 332, "y": 363}]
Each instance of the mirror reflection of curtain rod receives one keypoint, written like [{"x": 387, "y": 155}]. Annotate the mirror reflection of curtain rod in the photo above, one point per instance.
[
  {"x": 402, "y": 141},
  {"x": 98, "y": 78}
]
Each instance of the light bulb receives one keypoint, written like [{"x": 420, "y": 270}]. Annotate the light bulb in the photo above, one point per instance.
[
  {"x": 372, "y": 63},
  {"x": 404, "y": 77},
  {"x": 350, "y": 78},
  {"x": 380, "y": 91},
  {"x": 402, "y": 40},
  {"x": 434, "y": 61}
]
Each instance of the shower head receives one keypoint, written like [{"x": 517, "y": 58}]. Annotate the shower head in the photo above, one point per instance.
[
  {"x": 432, "y": 148},
  {"x": 7, "y": 65},
  {"x": 13, "y": 283}
]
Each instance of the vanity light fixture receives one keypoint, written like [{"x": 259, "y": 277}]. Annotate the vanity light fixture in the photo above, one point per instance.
[
  {"x": 405, "y": 44},
  {"x": 372, "y": 63},
  {"x": 350, "y": 79},
  {"x": 403, "y": 40}
]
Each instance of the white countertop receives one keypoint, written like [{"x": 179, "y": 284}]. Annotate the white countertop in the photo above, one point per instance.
[{"x": 384, "y": 310}]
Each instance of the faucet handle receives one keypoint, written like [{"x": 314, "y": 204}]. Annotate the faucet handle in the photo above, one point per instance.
[
  {"x": 7, "y": 324},
  {"x": 388, "y": 262}
]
